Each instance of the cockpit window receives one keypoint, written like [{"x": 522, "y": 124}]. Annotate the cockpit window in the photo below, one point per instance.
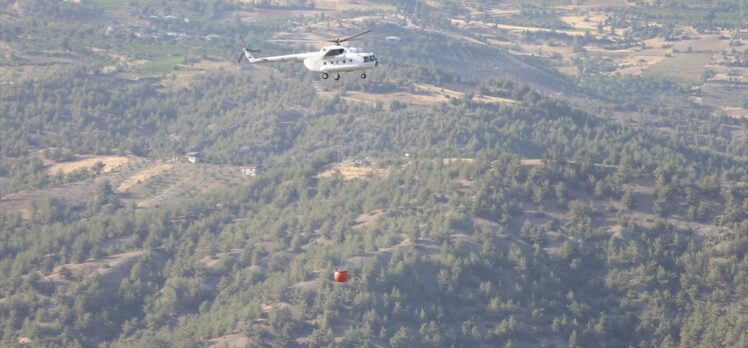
[
  {"x": 334, "y": 52},
  {"x": 366, "y": 59}
]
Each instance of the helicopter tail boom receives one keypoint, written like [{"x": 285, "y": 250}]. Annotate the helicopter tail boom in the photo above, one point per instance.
[{"x": 248, "y": 54}]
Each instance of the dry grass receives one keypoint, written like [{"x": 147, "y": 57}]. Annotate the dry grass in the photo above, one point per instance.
[
  {"x": 349, "y": 172},
  {"x": 426, "y": 95},
  {"x": 493, "y": 100},
  {"x": 633, "y": 61},
  {"x": 456, "y": 160},
  {"x": 539, "y": 162},
  {"x": 436, "y": 90},
  {"x": 213, "y": 262},
  {"x": 187, "y": 73},
  {"x": 547, "y": 50},
  {"x": 142, "y": 182},
  {"x": 704, "y": 43},
  {"x": 653, "y": 58},
  {"x": 346, "y": 5},
  {"x": 142, "y": 176},
  {"x": 635, "y": 64},
  {"x": 514, "y": 28},
  {"x": 532, "y": 162},
  {"x": 601, "y": 3},
  {"x": 232, "y": 340},
  {"x": 368, "y": 219},
  {"x": 585, "y": 22},
  {"x": 502, "y": 12},
  {"x": 415, "y": 99},
  {"x": 120, "y": 58},
  {"x": 656, "y": 42},
  {"x": 569, "y": 70},
  {"x": 729, "y": 74},
  {"x": 71, "y": 194},
  {"x": 736, "y": 112},
  {"x": 270, "y": 13},
  {"x": 110, "y": 163},
  {"x": 112, "y": 267}
]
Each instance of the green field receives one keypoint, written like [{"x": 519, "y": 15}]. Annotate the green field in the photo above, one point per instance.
[
  {"x": 687, "y": 68},
  {"x": 690, "y": 16},
  {"x": 162, "y": 65},
  {"x": 122, "y": 5}
]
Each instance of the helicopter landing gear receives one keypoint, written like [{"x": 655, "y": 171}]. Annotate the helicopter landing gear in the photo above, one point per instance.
[
  {"x": 363, "y": 76},
  {"x": 325, "y": 76},
  {"x": 336, "y": 77}
]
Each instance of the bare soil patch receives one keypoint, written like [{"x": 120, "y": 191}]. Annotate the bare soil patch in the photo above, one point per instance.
[
  {"x": 71, "y": 194},
  {"x": 232, "y": 340},
  {"x": 704, "y": 43},
  {"x": 517, "y": 28},
  {"x": 212, "y": 262},
  {"x": 457, "y": 160},
  {"x": 368, "y": 219},
  {"x": 601, "y": 3},
  {"x": 110, "y": 163},
  {"x": 350, "y": 172},
  {"x": 736, "y": 112},
  {"x": 142, "y": 176},
  {"x": 587, "y": 21},
  {"x": 111, "y": 268},
  {"x": 532, "y": 162},
  {"x": 424, "y": 95}
]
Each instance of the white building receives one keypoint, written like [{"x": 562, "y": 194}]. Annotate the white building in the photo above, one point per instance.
[
  {"x": 192, "y": 157},
  {"x": 250, "y": 170}
]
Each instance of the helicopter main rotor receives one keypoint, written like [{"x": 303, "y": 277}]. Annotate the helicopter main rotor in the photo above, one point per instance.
[{"x": 336, "y": 41}]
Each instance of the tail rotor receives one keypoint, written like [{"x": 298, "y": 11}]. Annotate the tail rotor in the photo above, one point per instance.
[{"x": 246, "y": 52}]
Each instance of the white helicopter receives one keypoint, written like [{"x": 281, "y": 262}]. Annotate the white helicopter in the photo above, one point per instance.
[{"x": 330, "y": 59}]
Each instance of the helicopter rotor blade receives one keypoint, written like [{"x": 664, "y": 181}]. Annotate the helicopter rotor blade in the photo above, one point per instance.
[
  {"x": 241, "y": 55},
  {"x": 295, "y": 40},
  {"x": 357, "y": 35},
  {"x": 367, "y": 38},
  {"x": 337, "y": 41}
]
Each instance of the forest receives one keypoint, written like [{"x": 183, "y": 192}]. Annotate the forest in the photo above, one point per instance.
[{"x": 519, "y": 206}]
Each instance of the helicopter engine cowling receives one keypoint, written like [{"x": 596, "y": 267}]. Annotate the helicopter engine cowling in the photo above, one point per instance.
[{"x": 312, "y": 64}]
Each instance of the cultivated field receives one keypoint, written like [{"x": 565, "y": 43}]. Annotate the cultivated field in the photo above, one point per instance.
[
  {"x": 682, "y": 67},
  {"x": 145, "y": 183}
]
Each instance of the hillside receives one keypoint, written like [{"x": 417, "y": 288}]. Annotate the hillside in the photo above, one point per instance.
[{"x": 515, "y": 174}]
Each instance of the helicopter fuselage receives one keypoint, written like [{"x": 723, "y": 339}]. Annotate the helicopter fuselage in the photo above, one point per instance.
[
  {"x": 330, "y": 59},
  {"x": 341, "y": 60}
]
